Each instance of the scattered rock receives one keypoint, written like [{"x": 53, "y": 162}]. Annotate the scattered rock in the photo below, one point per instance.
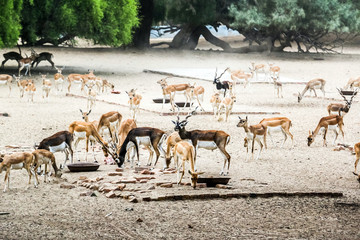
[
  {"x": 110, "y": 194},
  {"x": 121, "y": 187},
  {"x": 147, "y": 172},
  {"x": 133, "y": 199},
  {"x": 109, "y": 189},
  {"x": 222, "y": 186},
  {"x": 139, "y": 220},
  {"x": 128, "y": 181},
  {"x": 85, "y": 194},
  {"x": 83, "y": 177},
  {"x": 67, "y": 186},
  {"x": 139, "y": 169},
  {"x": 151, "y": 188},
  {"x": 143, "y": 181},
  {"x": 201, "y": 185},
  {"x": 98, "y": 179},
  {"x": 119, "y": 170},
  {"x": 166, "y": 185},
  {"x": 114, "y": 174}
]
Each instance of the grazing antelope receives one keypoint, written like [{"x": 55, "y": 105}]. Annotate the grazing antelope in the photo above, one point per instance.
[
  {"x": 6, "y": 79},
  {"x": 277, "y": 86},
  {"x": 253, "y": 133},
  {"x": 357, "y": 152},
  {"x": 86, "y": 131},
  {"x": 30, "y": 89},
  {"x": 317, "y": 83},
  {"x": 184, "y": 152},
  {"x": 59, "y": 142},
  {"x": 353, "y": 82},
  {"x": 171, "y": 90},
  {"x": 339, "y": 108},
  {"x": 196, "y": 93},
  {"x": 153, "y": 138},
  {"x": 134, "y": 103},
  {"x": 227, "y": 104},
  {"x": 257, "y": 68},
  {"x": 18, "y": 161},
  {"x": 42, "y": 57},
  {"x": 331, "y": 122},
  {"x": 45, "y": 157},
  {"x": 103, "y": 85},
  {"x": 277, "y": 124},
  {"x": 26, "y": 62},
  {"x": 110, "y": 121},
  {"x": 221, "y": 86},
  {"x": 207, "y": 139},
  {"x": 59, "y": 79},
  {"x": 215, "y": 101},
  {"x": 46, "y": 86},
  {"x": 274, "y": 71},
  {"x": 170, "y": 144}
]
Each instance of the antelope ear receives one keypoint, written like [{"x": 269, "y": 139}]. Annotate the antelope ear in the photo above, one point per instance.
[{"x": 309, "y": 132}]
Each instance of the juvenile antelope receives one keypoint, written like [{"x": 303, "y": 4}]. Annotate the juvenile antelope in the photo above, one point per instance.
[
  {"x": 185, "y": 152},
  {"x": 196, "y": 93},
  {"x": 91, "y": 97},
  {"x": 59, "y": 79},
  {"x": 30, "y": 89},
  {"x": 46, "y": 86},
  {"x": 215, "y": 101},
  {"x": 21, "y": 84},
  {"x": 226, "y": 104},
  {"x": 331, "y": 122},
  {"x": 277, "y": 87},
  {"x": 74, "y": 78},
  {"x": 171, "y": 90},
  {"x": 6, "y": 79},
  {"x": 317, "y": 83},
  {"x": 170, "y": 144},
  {"x": 258, "y": 68},
  {"x": 18, "y": 161},
  {"x": 274, "y": 71},
  {"x": 45, "y": 157},
  {"x": 134, "y": 103}
]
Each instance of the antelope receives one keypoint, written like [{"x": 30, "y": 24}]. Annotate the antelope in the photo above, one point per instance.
[
  {"x": 45, "y": 157},
  {"x": 339, "y": 108},
  {"x": 317, "y": 83},
  {"x": 276, "y": 124},
  {"x": 6, "y": 79},
  {"x": 253, "y": 133},
  {"x": 31, "y": 90},
  {"x": 46, "y": 86},
  {"x": 329, "y": 122},
  {"x": 26, "y": 62},
  {"x": 85, "y": 117},
  {"x": 18, "y": 161},
  {"x": 153, "y": 138},
  {"x": 357, "y": 152},
  {"x": 59, "y": 142},
  {"x": 215, "y": 103},
  {"x": 103, "y": 84},
  {"x": 258, "y": 67},
  {"x": 227, "y": 104},
  {"x": 196, "y": 92},
  {"x": 134, "y": 102},
  {"x": 74, "y": 78},
  {"x": 184, "y": 152},
  {"x": 353, "y": 82},
  {"x": 110, "y": 121},
  {"x": 277, "y": 86},
  {"x": 91, "y": 96},
  {"x": 274, "y": 71},
  {"x": 42, "y": 57},
  {"x": 59, "y": 79},
  {"x": 21, "y": 84},
  {"x": 171, "y": 90},
  {"x": 170, "y": 143},
  {"x": 241, "y": 75},
  {"x": 88, "y": 79},
  {"x": 207, "y": 139},
  {"x": 86, "y": 131},
  {"x": 12, "y": 56},
  {"x": 221, "y": 86}
]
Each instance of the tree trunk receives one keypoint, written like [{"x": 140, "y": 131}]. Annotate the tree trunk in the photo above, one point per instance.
[{"x": 141, "y": 37}]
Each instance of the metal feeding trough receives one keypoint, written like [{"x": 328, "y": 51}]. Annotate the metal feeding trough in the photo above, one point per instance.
[
  {"x": 212, "y": 181},
  {"x": 83, "y": 167},
  {"x": 182, "y": 104},
  {"x": 348, "y": 94},
  {"x": 160, "y": 100}
]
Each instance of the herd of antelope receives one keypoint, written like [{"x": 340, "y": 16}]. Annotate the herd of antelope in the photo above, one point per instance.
[{"x": 121, "y": 139}]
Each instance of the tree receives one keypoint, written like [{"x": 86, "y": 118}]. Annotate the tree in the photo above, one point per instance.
[
  {"x": 10, "y": 22},
  {"x": 317, "y": 24},
  {"x": 108, "y": 22}
]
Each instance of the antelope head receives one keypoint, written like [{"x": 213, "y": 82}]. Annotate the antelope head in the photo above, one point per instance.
[
  {"x": 194, "y": 177},
  {"x": 180, "y": 125},
  {"x": 310, "y": 138},
  {"x": 242, "y": 122}
]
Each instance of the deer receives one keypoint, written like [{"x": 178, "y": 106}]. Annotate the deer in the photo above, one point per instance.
[
  {"x": 59, "y": 79},
  {"x": 26, "y": 62},
  {"x": 317, "y": 83},
  {"x": 196, "y": 93},
  {"x": 171, "y": 141},
  {"x": 110, "y": 121},
  {"x": 153, "y": 138},
  {"x": 42, "y": 57},
  {"x": 46, "y": 86},
  {"x": 277, "y": 124},
  {"x": 30, "y": 89},
  {"x": 331, "y": 122},
  {"x": 227, "y": 104},
  {"x": 215, "y": 101},
  {"x": 58, "y": 142},
  {"x": 45, "y": 157},
  {"x": 277, "y": 86},
  {"x": 253, "y": 133},
  {"x": 134, "y": 102},
  {"x": 221, "y": 86},
  {"x": 257, "y": 68},
  {"x": 171, "y": 90},
  {"x": 353, "y": 82},
  {"x": 185, "y": 152},
  {"x": 207, "y": 139},
  {"x": 6, "y": 79},
  {"x": 12, "y": 56},
  {"x": 18, "y": 161},
  {"x": 87, "y": 131}
]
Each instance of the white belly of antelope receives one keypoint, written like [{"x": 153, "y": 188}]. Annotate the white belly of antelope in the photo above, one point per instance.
[
  {"x": 143, "y": 141},
  {"x": 114, "y": 124},
  {"x": 274, "y": 129},
  {"x": 209, "y": 145},
  {"x": 17, "y": 166},
  {"x": 57, "y": 148},
  {"x": 81, "y": 135},
  {"x": 3, "y": 82}
]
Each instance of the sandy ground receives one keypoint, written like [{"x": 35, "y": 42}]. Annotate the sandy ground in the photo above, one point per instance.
[{"x": 50, "y": 212}]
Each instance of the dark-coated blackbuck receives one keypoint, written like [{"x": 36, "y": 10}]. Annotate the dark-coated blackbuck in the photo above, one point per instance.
[
  {"x": 221, "y": 85},
  {"x": 340, "y": 108},
  {"x": 207, "y": 139}
]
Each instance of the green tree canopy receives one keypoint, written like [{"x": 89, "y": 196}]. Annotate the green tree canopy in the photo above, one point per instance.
[{"x": 10, "y": 22}]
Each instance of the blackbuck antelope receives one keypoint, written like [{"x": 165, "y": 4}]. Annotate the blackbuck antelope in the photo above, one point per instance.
[
  {"x": 215, "y": 101},
  {"x": 45, "y": 157},
  {"x": 91, "y": 96},
  {"x": 46, "y": 86},
  {"x": 171, "y": 90},
  {"x": 30, "y": 89},
  {"x": 242, "y": 76},
  {"x": 357, "y": 153},
  {"x": 111, "y": 122},
  {"x": 85, "y": 117},
  {"x": 74, "y": 78},
  {"x": 59, "y": 79},
  {"x": 207, "y": 139},
  {"x": 253, "y": 133},
  {"x": 26, "y": 62},
  {"x": 278, "y": 124},
  {"x": 274, "y": 71},
  {"x": 103, "y": 85},
  {"x": 277, "y": 86},
  {"x": 42, "y": 57},
  {"x": 185, "y": 152},
  {"x": 226, "y": 105},
  {"x": 170, "y": 144},
  {"x": 152, "y": 138},
  {"x": 86, "y": 131},
  {"x": 196, "y": 93},
  {"x": 331, "y": 122},
  {"x": 134, "y": 103},
  {"x": 6, "y": 79},
  {"x": 21, "y": 84},
  {"x": 12, "y": 56},
  {"x": 18, "y": 161},
  {"x": 340, "y": 108},
  {"x": 317, "y": 83},
  {"x": 221, "y": 85},
  {"x": 353, "y": 83},
  {"x": 89, "y": 79},
  {"x": 258, "y": 68},
  {"x": 58, "y": 142}
]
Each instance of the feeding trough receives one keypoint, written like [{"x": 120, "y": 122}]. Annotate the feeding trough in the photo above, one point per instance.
[
  {"x": 115, "y": 92},
  {"x": 160, "y": 100},
  {"x": 182, "y": 104},
  {"x": 83, "y": 167},
  {"x": 348, "y": 92},
  {"x": 212, "y": 181}
]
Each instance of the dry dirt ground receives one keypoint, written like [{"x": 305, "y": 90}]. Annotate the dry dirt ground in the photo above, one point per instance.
[{"x": 51, "y": 212}]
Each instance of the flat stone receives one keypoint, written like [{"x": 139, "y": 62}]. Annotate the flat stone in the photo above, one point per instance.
[
  {"x": 98, "y": 179},
  {"x": 166, "y": 185},
  {"x": 121, "y": 187},
  {"x": 222, "y": 186},
  {"x": 151, "y": 188},
  {"x": 119, "y": 170},
  {"x": 115, "y": 174},
  {"x": 128, "y": 181},
  {"x": 83, "y": 177},
  {"x": 147, "y": 172},
  {"x": 110, "y": 194},
  {"x": 133, "y": 199},
  {"x": 143, "y": 181},
  {"x": 67, "y": 186}
]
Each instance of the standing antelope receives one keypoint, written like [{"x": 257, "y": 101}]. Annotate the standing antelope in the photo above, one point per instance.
[
  {"x": 253, "y": 133},
  {"x": 339, "y": 108},
  {"x": 45, "y": 157},
  {"x": 185, "y": 152},
  {"x": 59, "y": 79},
  {"x": 12, "y": 56},
  {"x": 74, "y": 78},
  {"x": 357, "y": 152},
  {"x": 170, "y": 144},
  {"x": 85, "y": 117},
  {"x": 207, "y": 139},
  {"x": 171, "y": 90},
  {"x": 274, "y": 71},
  {"x": 91, "y": 96},
  {"x": 215, "y": 101},
  {"x": 18, "y": 161},
  {"x": 227, "y": 104},
  {"x": 221, "y": 85},
  {"x": 110, "y": 121},
  {"x": 46, "y": 86},
  {"x": 277, "y": 124},
  {"x": 277, "y": 86},
  {"x": 196, "y": 93},
  {"x": 26, "y": 62},
  {"x": 21, "y": 84},
  {"x": 30, "y": 89},
  {"x": 331, "y": 122},
  {"x": 134, "y": 103},
  {"x": 353, "y": 82},
  {"x": 257, "y": 68},
  {"x": 42, "y": 57},
  {"x": 317, "y": 83},
  {"x": 6, "y": 79},
  {"x": 241, "y": 75}
]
